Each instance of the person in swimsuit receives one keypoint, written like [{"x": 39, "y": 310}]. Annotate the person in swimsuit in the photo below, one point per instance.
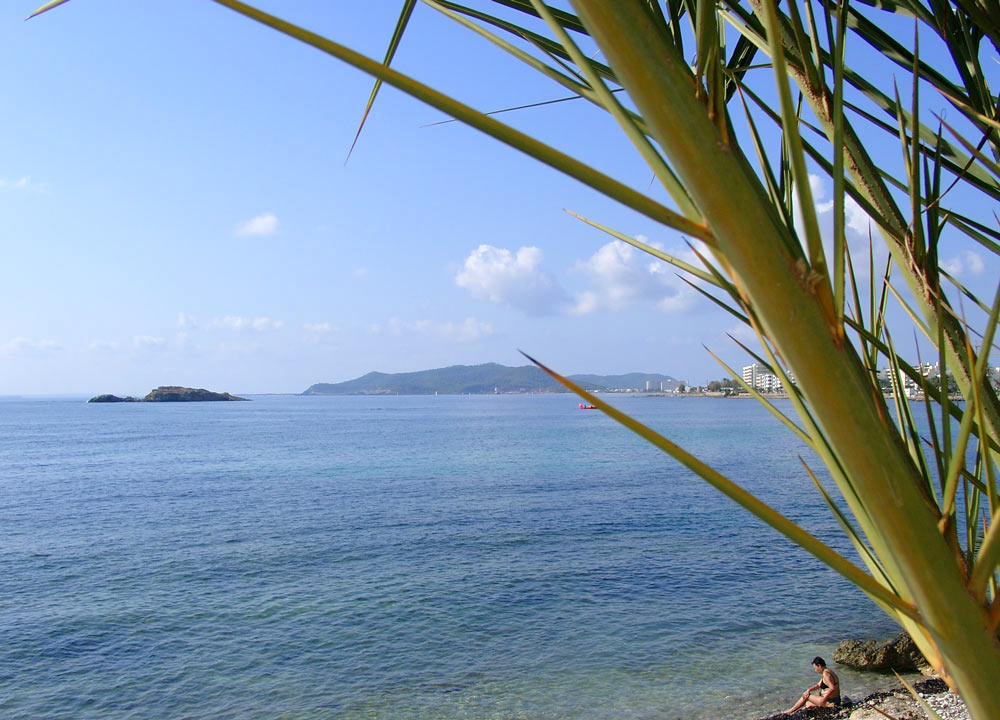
[{"x": 825, "y": 693}]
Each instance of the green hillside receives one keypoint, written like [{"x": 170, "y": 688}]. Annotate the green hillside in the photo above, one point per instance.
[{"x": 479, "y": 379}]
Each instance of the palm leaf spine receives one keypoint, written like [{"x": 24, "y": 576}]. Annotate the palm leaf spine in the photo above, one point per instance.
[
  {"x": 828, "y": 371},
  {"x": 867, "y": 179}
]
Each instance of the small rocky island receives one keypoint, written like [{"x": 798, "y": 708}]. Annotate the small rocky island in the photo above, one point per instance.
[{"x": 170, "y": 393}]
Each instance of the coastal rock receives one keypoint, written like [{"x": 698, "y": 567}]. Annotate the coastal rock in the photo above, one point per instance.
[
  {"x": 174, "y": 393},
  {"x": 170, "y": 393},
  {"x": 899, "y": 654},
  {"x": 897, "y": 704}
]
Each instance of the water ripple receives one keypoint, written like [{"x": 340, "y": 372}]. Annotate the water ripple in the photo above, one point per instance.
[{"x": 401, "y": 558}]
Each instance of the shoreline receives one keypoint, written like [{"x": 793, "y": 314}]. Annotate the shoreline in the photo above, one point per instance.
[{"x": 895, "y": 702}]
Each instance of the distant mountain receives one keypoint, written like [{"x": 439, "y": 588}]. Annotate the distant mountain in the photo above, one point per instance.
[{"x": 483, "y": 379}]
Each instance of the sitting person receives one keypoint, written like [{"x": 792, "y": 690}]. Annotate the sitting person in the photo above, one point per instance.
[{"x": 827, "y": 690}]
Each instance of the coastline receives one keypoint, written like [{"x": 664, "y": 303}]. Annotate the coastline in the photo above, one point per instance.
[{"x": 896, "y": 702}]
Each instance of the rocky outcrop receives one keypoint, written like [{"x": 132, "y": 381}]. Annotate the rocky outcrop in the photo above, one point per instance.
[
  {"x": 170, "y": 393},
  {"x": 173, "y": 393},
  {"x": 899, "y": 654}
]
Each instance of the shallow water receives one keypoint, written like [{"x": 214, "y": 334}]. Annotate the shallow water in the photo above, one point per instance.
[{"x": 406, "y": 557}]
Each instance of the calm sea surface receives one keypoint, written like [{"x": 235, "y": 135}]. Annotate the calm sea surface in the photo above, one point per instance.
[{"x": 406, "y": 557}]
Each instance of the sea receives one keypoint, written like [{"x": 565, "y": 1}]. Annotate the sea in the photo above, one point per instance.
[{"x": 388, "y": 557}]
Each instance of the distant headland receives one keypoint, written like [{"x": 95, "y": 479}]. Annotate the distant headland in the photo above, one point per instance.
[
  {"x": 488, "y": 379},
  {"x": 169, "y": 393}
]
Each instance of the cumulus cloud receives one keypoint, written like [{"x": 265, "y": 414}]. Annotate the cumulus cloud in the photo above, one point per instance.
[
  {"x": 818, "y": 188},
  {"x": 468, "y": 330},
  {"x": 855, "y": 218},
  {"x": 239, "y": 323},
  {"x": 513, "y": 279},
  {"x": 323, "y": 327},
  {"x": 25, "y": 346},
  {"x": 966, "y": 262},
  {"x": 860, "y": 228},
  {"x": 185, "y": 321},
  {"x": 266, "y": 224},
  {"x": 623, "y": 276}
]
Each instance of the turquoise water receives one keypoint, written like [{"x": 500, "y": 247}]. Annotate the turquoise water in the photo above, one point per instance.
[{"x": 405, "y": 557}]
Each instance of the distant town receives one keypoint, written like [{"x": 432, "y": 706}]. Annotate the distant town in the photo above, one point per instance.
[
  {"x": 766, "y": 382},
  {"x": 494, "y": 379}
]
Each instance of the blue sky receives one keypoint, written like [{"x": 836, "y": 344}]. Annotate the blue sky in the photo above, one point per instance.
[{"x": 175, "y": 209}]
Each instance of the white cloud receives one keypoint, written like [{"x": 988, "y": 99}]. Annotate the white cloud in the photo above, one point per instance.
[
  {"x": 514, "y": 279},
  {"x": 745, "y": 334},
  {"x": 239, "y": 323},
  {"x": 469, "y": 330},
  {"x": 25, "y": 346},
  {"x": 859, "y": 231},
  {"x": 966, "y": 261},
  {"x": 185, "y": 321},
  {"x": 20, "y": 184},
  {"x": 855, "y": 218},
  {"x": 816, "y": 186},
  {"x": 320, "y": 333},
  {"x": 398, "y": 327},
  {"x": 233, "y": 322},
  {"x": 148, "y": 342},
  {"x": 624, "y": 275},
  {"x": 266, "y": 224},
  {"x": 264, "y": 323},
  {"x": 586, "y": 303},
  {"x": 23, "y": 184}
]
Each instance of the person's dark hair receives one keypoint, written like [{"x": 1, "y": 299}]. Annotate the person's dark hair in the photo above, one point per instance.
[{"x": 819, "y": 661}]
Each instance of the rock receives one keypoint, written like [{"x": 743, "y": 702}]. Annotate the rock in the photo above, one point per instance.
[
  {"x": 897, "y": 703},
  {"x": 173, "y": 393},
  {"x": 170, "y": 393},
  {"x": 934, "y": 685},
  {"x": 899, "y": 654}
]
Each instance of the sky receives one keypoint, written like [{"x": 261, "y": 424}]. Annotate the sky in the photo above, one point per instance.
[{"x": 175, "y": 208}]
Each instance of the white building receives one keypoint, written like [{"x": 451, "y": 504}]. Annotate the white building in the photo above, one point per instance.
[
  {"x": 761, "y": 379},
  {"x": 899, "y": 382}
]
